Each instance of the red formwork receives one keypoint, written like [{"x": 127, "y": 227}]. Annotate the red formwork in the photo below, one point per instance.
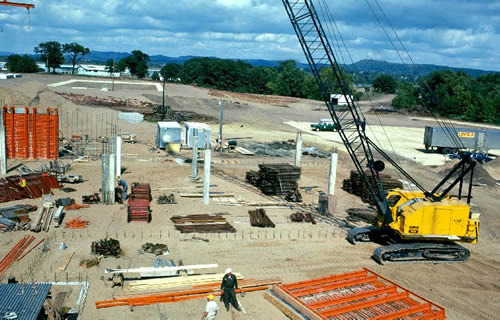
[
  {"x": 356, "y": 295},
  {"x": 138, "y": 203},
  {"x": 31, "y": 133}
]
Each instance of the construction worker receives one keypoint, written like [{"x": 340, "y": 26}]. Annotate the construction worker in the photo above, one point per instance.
[
  {"x": 228, "y": 286},
  {"x": 211, "y": 308},
  {"x": 123, "y": 184}
]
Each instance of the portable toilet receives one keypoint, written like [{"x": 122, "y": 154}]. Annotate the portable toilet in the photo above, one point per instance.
[
  {"x": 203, "y": 131},
  {"x": 169, "y": 136}
]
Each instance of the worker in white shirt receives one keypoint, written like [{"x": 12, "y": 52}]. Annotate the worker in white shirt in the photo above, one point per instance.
[{"x": 211, "y": 308}]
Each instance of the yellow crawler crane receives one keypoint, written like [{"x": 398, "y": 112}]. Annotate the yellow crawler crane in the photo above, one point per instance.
[{"x": 417, "y": 226}]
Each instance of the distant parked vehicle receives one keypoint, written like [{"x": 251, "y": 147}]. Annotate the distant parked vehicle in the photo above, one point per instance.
[
  {"x": 481, "y": 140},
  {"x": 323, "y": 125}
]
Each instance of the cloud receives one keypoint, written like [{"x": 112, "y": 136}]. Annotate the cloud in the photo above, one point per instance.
[{"x": 452, "y": 32}]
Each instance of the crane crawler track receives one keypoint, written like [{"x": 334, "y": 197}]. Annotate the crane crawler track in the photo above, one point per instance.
[{"x": 421, "y": 252}]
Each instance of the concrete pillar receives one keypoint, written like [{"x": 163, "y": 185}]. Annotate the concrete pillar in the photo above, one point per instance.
[
  {"x": 3, "y": 151},
  {"x": 298, "y": 149},
  {"x": 118, "y": 152},
  {"x": 104, "y": 177},
  {"x": 206, "y": 176},
  {"x": 194, "y": 162},
  {"x": 112, "y": 178},
  {"x": 332, "y": 176},
  {"x": 221, "y": 118}
]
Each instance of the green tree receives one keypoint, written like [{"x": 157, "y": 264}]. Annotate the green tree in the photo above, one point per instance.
[
  {"x": 290, "y": 81},
  {"x": 406, "y": 96},
  {"x": 51, "y": 53},
  {"x": 24, "y": 64},
  {"x": 155, "y": 76},
  {"x": 137, "y": 63},
  {"x": 171, "y": 71},
  {"x": 75, "y": 52},
  {"x": 385, "y": 83}
]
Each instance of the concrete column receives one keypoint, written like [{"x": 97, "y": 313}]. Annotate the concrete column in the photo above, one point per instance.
[
  {"x": 3, "y": 151},
  {"x": 206, "y": 176},
  {"x": 298, "y": 149},
  {"x": 221, "y": 118},
  {"x": 112, "y": 178},
  {"x": 104, "y": 177},
  {"x": 118, "y": 152},
  {"x": 332, "y": 176},
  {"x": 194, "y": 162}
]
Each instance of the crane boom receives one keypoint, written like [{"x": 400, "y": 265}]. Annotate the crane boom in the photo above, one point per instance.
[
  {"x": 17, "y": 4},
  {"x": 350, "y": 124}
]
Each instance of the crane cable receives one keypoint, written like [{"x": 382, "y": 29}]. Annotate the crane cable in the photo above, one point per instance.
[{"x": 447, "y": 127}]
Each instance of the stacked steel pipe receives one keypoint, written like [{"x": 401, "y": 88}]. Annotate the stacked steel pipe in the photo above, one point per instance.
[
  {"x": 15, "y": 253},
  {"x": 275, "y": 179},
  {"x": 356, "y": 185},
  {"x": 138, "y": 203}
]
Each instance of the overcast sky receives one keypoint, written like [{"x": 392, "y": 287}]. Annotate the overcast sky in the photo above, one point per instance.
[{"x": 459, "y": 33}]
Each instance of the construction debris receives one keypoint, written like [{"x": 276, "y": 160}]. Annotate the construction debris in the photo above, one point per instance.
[
  {"x": 157, "y": 249},
  {"x": 275, "y": 179},
  {"x": 15, "y": 253},
  {"x": 75, "y": 206},
  {"x": 202, "y": 223},
  {"x": 89, "y": 263},
  {"x": 302, "y": 217},
  {"x": 138, "y": 203},
  {"x": 356, "y": 185},
  {"x": 77, "y": 223},
  {"x": 166, "y": 199},
  {"x": 259, "y": 218},
  {"x": 18, "y": 213},
  {"x": 106, "y": 247},
  {"x": 354, "y": 295},
  {"x": 91, "y": 199},
  {"x": 31, "y": 186},
  {"x": 125, "y": 105}
]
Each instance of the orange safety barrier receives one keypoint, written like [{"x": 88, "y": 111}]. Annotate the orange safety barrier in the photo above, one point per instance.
[
  {"x": 357, "y": 295},
  {"x": 31, "y": 132}
]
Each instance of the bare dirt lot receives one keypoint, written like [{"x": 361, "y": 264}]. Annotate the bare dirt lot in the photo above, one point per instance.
[{"x": 290, "y": 251}]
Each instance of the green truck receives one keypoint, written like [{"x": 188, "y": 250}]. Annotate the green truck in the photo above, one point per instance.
[{"x": 323, "y": 125}]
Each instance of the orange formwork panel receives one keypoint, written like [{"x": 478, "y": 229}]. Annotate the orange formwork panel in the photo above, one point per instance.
[
  {"x": 31, "y": 133},
  {"x": 356, "y": 295}
]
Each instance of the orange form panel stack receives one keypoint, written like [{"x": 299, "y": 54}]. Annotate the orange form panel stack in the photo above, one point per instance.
[
  {"x": 356, "y": 295},
  {"x": 31, "y": 133}
]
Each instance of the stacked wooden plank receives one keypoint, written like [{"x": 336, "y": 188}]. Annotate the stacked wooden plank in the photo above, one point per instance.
[
  {"x": 15, "y": 253},
  {"x": 138, "y": 203},
  {"x": 202, "y": 223},
  {"x": 275, "y": 179},
  {"x": 356, "y": 185},
  {"x": 199, "y": 291},
  {"x": 177, "y": 282},
  {"x": 259, "y": 218}
]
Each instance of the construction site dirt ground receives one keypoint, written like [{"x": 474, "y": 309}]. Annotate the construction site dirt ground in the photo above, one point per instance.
[{"x": 291, "y": 251}]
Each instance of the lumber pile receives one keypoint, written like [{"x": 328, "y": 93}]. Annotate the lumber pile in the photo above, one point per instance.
[
  {"x": 15, "y": 253},
  {"x": 138, "y": 203},
  {"x": 194, "y": 291},
  {"x": 275, "y": 179},
  {"x": 106, "y": 247},
  {"x": 259, "y": 218},
  {"x": 355, "y": 185},
  {"x": 183, "y": 282},
  {"x": 302, "y": 217},
  {"x": 202, "y": 223}
]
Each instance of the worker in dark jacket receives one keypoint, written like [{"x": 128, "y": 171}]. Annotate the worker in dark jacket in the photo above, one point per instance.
[
  {"x": 228, "y": 286},
  {"x": 123, "y": 184}
]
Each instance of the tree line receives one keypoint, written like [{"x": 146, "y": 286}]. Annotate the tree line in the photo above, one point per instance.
[{"x": 454, "y": 95}]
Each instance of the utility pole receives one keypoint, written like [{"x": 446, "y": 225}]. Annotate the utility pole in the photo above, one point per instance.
[
  {"x": 221, "y": 117},
  {"x": 163, "y": 110},
  {"x": 113, "y": 77}
]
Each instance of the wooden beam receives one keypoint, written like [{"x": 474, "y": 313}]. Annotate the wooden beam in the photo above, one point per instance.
[{"x": 16, "y": 4}]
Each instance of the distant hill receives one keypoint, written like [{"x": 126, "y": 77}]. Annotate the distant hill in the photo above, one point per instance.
[{"x": 364, "y": 71}]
